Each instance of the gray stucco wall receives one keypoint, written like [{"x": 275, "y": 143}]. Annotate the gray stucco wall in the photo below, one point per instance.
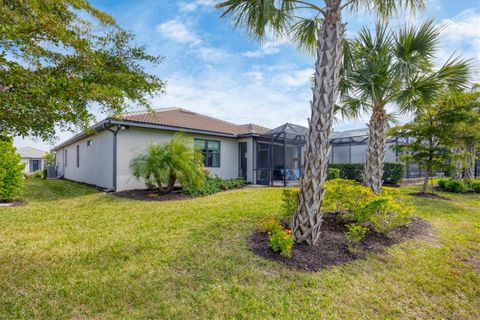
[
  {"x": 96, "y": 161},
  {"x": 135, "y": 141}
]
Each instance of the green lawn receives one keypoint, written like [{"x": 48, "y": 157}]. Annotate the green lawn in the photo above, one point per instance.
[{"x": 71, "y": 252}]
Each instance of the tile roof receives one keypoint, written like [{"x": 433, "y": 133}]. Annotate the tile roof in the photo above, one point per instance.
[{"x": 182, "y": 118}]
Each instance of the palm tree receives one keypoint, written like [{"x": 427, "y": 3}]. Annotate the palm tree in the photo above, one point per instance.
[
  {"x": 316, "y": 28},
  {"x": 393, "y": 68},
  {"x": 165, "y": 164}
]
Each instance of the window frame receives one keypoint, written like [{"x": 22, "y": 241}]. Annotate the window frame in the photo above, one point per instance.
[
  {"x": 204, "y": 154},
  {"x": 78, "y": 156}
]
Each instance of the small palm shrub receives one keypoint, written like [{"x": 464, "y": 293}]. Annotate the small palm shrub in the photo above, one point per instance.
[
  {"x": 11, "y": 178},
  {"x": 165, "y": 164}
]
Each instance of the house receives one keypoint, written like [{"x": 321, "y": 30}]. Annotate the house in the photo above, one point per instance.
[
  {"x": 33, "y": 158},
  {"x": 101, "y": 156}
]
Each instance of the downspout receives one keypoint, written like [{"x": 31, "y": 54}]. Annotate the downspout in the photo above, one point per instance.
[{"x": 114, "y": 166}]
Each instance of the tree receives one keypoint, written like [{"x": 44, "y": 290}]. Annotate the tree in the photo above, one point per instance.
[
  {"x": 462, "y": 112},
  {"x": 393, "y": 68},
  {"x": 319, "y": 29},
  {"x": 165, "y": 164},
  {"x": 60, "y": 57},
  {"x": 11, "y": 177}
]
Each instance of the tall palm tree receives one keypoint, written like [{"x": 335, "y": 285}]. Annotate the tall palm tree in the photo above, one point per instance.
[
  {"x": 393, "y": 68},
  {"x": 316, "y": 26}
]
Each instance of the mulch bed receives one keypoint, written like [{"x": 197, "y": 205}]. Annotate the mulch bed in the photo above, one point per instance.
[
  {"x": 332, "y": 248},
  {"x": 151, "y": 195},
  {"x": 12, "y": 204},
  {"x": 428, "y": 195}
]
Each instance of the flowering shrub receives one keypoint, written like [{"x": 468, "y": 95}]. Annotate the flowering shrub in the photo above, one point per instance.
[{"x": 280, "y": 239}]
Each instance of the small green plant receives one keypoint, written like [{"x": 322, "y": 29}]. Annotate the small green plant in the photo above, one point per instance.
[
  {"x": 442, "y": 183},
  {"x": 289, "y": 202},
  {"x": 280, "y": 239},
  {"x": 333, "y": 173},
  {"x": 345, "y": 195},
  {"x": 355, "y": 233},
  {"x": 213, "y": 185},
  {"x": 475, "y": 186},
  {"x": 385, "y": 213},
  {"x": 11, "y": 179},
  {"x": 34, "y": 175},
  {"x": 456, "y": 186},
  {"x": 393, "y": 173}
]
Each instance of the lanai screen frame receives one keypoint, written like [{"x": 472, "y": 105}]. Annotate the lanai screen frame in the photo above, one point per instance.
[{"x": 289, "y": 135}]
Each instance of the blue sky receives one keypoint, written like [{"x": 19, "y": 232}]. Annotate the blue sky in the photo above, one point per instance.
[{"x": 214, "y": 69}]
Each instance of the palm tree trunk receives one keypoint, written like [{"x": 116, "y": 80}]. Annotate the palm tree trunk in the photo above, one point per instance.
[
  {"x": 471, "y": 161},
  {"x": 377, "y": 136},
  {"x": 308, "y": 218},
  {"x": 458, "y": 166}
]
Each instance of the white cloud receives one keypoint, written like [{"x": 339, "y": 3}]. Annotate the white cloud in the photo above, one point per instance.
[
  {"x": 266, "y": 49},
  {"x": 213, "y": 54},
  {"x": 178, "y": 32},
  {"x": 255, "y": 75},
  {"x": 193, "y": 5},
  {"x": 297, "y": 78}
]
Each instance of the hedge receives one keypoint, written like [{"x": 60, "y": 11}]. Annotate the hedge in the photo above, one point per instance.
[{"x": 393, "y": 172}]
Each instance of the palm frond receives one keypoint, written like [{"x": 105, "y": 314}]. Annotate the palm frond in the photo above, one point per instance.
[
  {"x": 304, "y": 33},
  {"x": 385, "y": 8}
]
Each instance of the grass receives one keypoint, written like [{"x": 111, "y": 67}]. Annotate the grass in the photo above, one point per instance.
[{"x": 71, "y": 252}]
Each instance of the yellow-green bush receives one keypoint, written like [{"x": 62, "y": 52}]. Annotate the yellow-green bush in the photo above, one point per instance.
[{"x": 345, "y": 195}]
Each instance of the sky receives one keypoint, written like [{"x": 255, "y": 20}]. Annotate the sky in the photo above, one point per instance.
[{"x": 214, "y": 69}]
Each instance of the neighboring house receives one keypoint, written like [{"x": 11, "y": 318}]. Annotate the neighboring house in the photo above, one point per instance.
[{"x": 33, "y": 158}]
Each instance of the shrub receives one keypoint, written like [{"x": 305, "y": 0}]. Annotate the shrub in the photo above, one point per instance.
[
  {"x": 442, "y": 183},
  {"x": 393, "y": 173},
  {"x": 355, "y": 233},
  {"x": 280, "y": 239},
  {"x": 350, "y": 171},
  {"x": 34, "y": 175},
  {"x": 475, "y": 186},
  {"x": 333, "y": 173},
  {"x": 213, "y": 185},
  {"x": 385, "y": 213},
  {"x": 289, "y": 202},
  {"x": 11, "y": 179},
  {"x": 456, "y": 186},
  {"x": 345, "y": 195}
]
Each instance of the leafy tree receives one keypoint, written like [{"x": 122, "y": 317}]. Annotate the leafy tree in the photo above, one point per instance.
[
  {"x": 427, "y": 134},
  {"x": 393, "y": 68},
  {"x": 315, "y": 26},
  {"x": 462, "y": 113},
  {"x": 11, "y": 177},
  {"x": 58, "y": 57},
  {"x": 165, "y": 164}
]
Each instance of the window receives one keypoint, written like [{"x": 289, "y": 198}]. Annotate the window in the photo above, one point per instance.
[
  {"x": 65, "y": 157},
  {"x": 35, "y": 165},
  {"x": 210, "y": 150},
  {"x": 89, "y": 143},
  {"x": 78, "y": 156}
]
